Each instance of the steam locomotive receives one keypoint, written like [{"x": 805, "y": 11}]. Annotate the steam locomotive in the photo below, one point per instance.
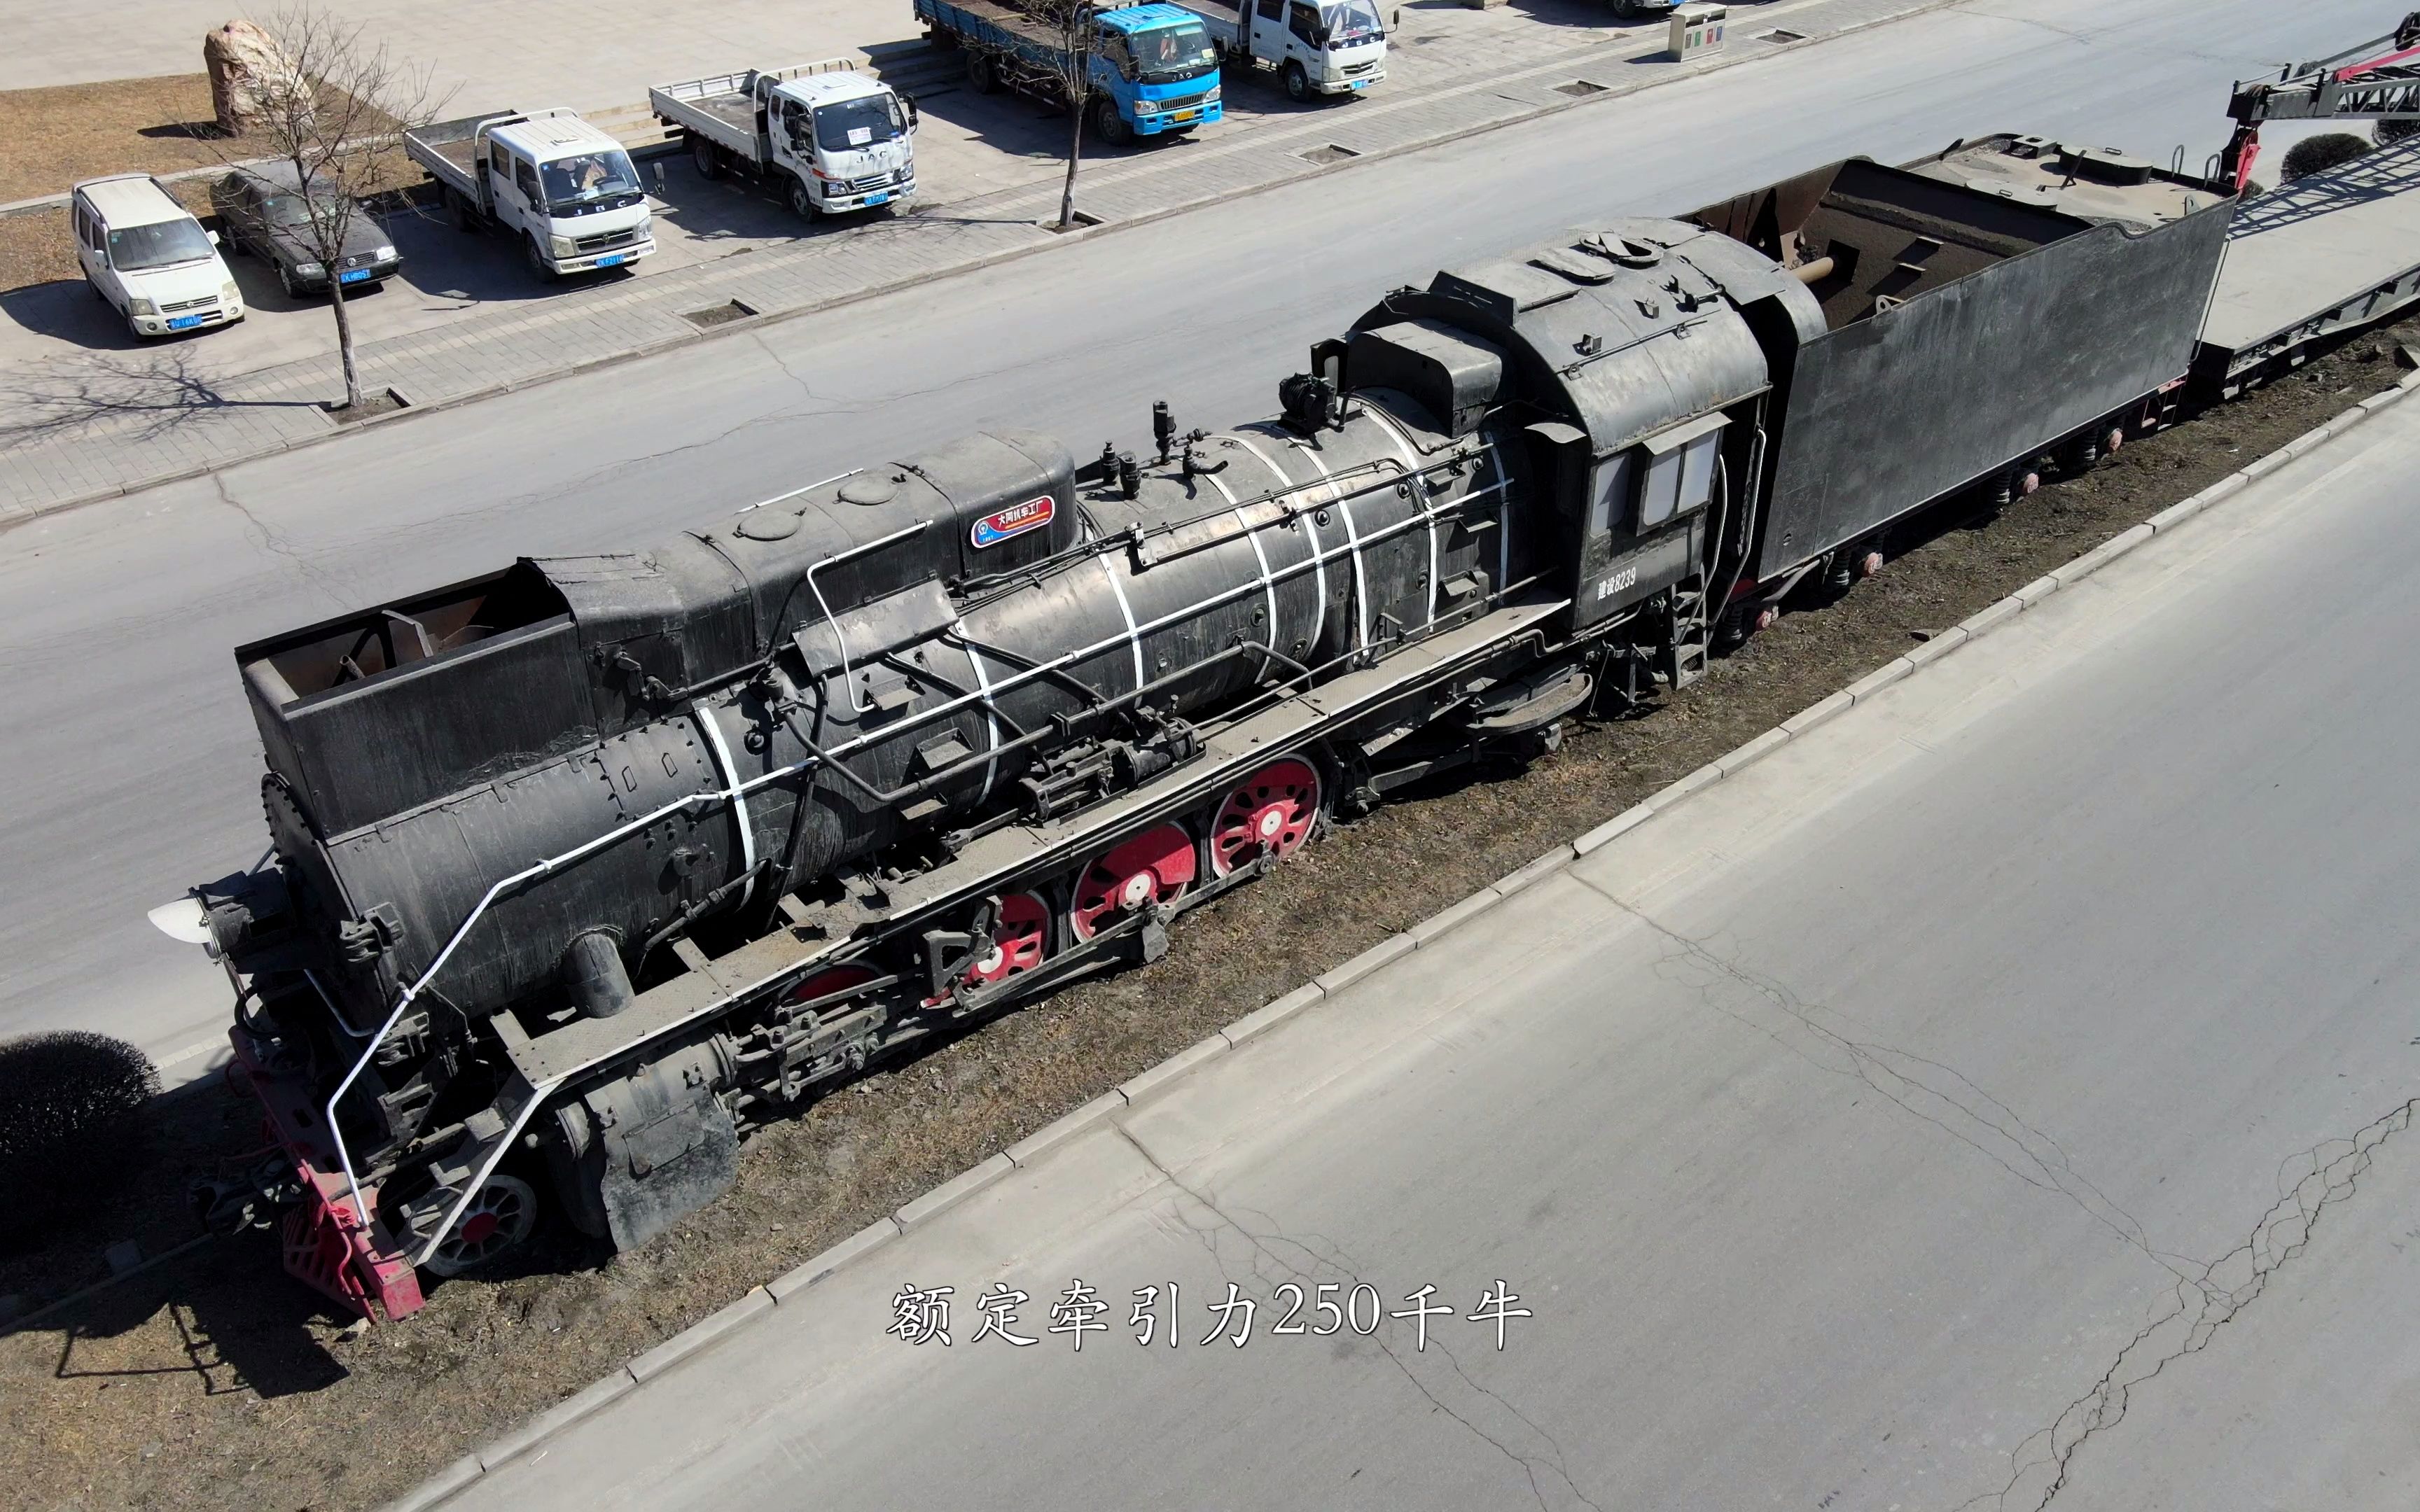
[{"x": 585, "y": 866}]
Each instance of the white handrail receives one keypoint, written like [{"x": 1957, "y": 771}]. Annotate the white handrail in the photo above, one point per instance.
[{"x": 1423, "y": 517}]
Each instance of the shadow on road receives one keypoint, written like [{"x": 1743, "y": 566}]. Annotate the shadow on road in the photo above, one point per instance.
[
  {"x": 67, "y": 309},
  {"x": 147, "y": 392}
]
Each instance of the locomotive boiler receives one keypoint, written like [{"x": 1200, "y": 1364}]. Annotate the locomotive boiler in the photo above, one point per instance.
[{"x": 584, "y": 868}]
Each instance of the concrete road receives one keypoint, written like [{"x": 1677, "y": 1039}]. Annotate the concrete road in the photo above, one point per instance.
[
  {"x": 2001, "y": 1092},
  {"x": 56, "y": 340},
  {"x": 132, "y": 756},
  {"x": 578, "y": 53}
]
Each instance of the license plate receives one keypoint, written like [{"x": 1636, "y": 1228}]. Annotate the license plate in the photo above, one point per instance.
[
  {"x": 184, "y": 322},
  {"x": 614, "y": 261},
  {"x": 1184, "y": 116},
  {"x": 354, "y": 277},
  {"x": 878, "y": 199},
  {"x": 1360, "y": 83}
]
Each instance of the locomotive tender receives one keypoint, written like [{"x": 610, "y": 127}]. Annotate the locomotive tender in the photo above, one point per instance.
[{"x": 585, "y": 866}]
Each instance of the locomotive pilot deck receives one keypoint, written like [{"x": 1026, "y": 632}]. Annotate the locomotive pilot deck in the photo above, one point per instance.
[{"x": 2323, "y": 255}]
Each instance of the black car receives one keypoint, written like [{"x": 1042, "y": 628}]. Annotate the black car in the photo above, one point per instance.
[{"x": 263, "y": 214}]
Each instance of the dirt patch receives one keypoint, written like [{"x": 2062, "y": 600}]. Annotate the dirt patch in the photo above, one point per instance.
[
  {"x": 81, "y": 130},
  {"x": 216, "y": 1379},
  {"x": 374, "y": 402},
  {"x": 56, "y": 137}
]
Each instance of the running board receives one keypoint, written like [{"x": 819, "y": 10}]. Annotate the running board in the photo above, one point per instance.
[{"x": 714, "y": 986}]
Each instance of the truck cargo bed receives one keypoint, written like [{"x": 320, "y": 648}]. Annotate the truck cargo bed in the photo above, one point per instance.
[
  {"x": 722, "y": 109},
  {"x": 449, "y": 149},
  {"x": 998, "y": 26},
  {"x": 2324, "y": 253}
]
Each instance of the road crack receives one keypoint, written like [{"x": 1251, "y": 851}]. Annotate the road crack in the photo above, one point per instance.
[
  {"x": 2203, "y": 1297},
  {"x": 1924, "y": 1089},
  {"x": 2201, "y": 1305},
  {"x": 276, "y": 545},
  {"x": 1335, "y": 1261}
]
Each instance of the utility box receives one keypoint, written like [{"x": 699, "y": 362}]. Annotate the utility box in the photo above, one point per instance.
[{"x": 1697, "y": 30}]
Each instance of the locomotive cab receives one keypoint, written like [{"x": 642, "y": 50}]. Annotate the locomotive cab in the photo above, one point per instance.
[{"x": 1634, "y": 363}]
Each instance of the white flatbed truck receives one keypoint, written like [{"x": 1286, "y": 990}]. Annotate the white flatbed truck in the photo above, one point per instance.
[
  {"x": 1317, "y": 47},
  {"x": 831, "y": 139},
  {"x": 559, "y": 185}
]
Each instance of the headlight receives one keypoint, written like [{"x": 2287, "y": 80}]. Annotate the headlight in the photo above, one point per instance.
[
  {"x": 141, "y": 306},
  {"x": 562, "y": 245},
  {"x": 646, "y": 226},
  {"x": 306, "y": 269},
  {"x": 229, "y": 294},
  {"x": 386, "y": 254}
]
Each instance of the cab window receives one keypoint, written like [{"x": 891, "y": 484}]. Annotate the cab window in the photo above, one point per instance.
[
  {"x": 1303, "y": 21},
  {"x": 1113, "y": 47},
  {"x": 499, "y": 162},
  {"x": 526, "y": 177},
  {"x": 1271, "y": 10},
  {"x": 1679, "y": 476}
]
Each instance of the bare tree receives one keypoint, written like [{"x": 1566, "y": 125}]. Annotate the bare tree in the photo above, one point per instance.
[
  {"x": 1072, "y": 24},
  {"x": 332, "y": 114}
]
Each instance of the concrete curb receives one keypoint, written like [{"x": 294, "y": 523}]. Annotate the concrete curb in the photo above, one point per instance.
[
  {"x": 876, "y": 291},
  {"x": 1160, "y": 1077}
]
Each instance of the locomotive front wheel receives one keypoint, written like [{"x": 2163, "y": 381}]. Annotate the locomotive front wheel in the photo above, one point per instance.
[
  {"x": 498, "y": 1218},
  {"x": 1019, "y": 941},
  {"x": 1275, "y": 807},
  {"x": 1156, "y": 865}
]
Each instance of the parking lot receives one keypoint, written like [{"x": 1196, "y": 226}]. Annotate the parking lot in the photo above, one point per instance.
[{"x": 969, "y": 145}]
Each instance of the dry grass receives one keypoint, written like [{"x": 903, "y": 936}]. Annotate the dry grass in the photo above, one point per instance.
[
  {"x": 59, "y": 135},
  {"x": 214, "y": 1380}
]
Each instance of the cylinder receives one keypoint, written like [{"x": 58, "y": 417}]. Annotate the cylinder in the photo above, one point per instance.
[{"x": 592, "y": 973}]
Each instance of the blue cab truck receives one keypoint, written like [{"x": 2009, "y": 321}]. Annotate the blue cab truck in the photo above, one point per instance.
[{"x": 1153, "y": 69}]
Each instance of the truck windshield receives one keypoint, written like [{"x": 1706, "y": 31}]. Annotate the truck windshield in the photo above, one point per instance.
[
  {"x": 1352, "y": 23},
  {"x": 578, "y": 182},
  {"x": 854, "y": 123},
  {"x": 162, "y": 245},
  {"x": 1167, "y": 54}
]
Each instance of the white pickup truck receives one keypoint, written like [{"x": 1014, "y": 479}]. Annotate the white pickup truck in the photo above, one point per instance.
[
  {"x": 830, "y": 138},
  {"x": 563, "y": 188},
  {"x": 1318, "y": 47}
]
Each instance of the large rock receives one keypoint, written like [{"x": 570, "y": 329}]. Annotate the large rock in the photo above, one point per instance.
[{"x": 248, "y": 71}]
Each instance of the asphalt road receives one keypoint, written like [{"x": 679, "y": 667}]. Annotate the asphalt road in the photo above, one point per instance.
[
  {"x": 130, "y": 755},
  {"x": 1999, "y": 1093}
]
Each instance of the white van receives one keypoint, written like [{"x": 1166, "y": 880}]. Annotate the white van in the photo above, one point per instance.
[{"x": 148, "y": 256}]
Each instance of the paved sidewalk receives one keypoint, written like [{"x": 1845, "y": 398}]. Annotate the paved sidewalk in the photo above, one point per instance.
[{"x": 118, "y": 422}]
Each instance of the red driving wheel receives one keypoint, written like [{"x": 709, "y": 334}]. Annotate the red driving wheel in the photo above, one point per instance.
[
  {"x": 1020, "y": 940},
  {"x": 824, "y": 983},
  {"x": 1275, "y": 807},
  {"x": 1153, "y": 866}
]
